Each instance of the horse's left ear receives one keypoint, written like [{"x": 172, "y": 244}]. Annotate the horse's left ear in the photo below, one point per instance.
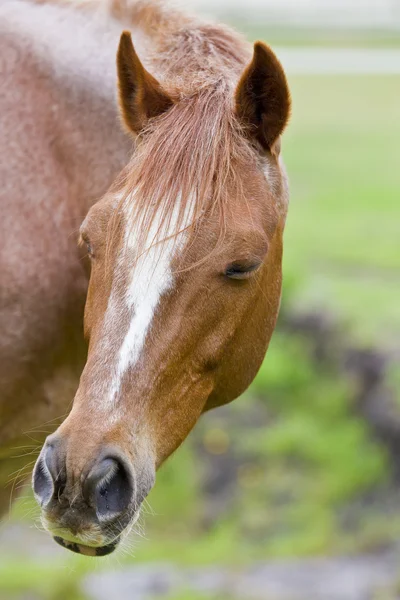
[
  {"x": 262, "y": 97},
  {"x": 141, "y": 96}
]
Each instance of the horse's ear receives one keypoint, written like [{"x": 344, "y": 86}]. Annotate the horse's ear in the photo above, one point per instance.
[
  {"x": 262, "y": 97},
  {"x": 141, "y": 97}
]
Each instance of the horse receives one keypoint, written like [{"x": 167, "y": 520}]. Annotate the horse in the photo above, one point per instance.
[{"x": 179, "y": 260}]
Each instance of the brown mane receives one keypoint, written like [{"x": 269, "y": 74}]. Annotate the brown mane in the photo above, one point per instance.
[
  {"x": 198, "y": 144},
  {"x": 197, "y": 157}
]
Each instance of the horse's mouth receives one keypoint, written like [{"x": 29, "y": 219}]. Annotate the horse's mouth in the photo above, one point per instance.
[{"x": 87, "y": 550}]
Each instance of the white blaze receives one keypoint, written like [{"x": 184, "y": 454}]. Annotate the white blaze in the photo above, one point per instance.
[{"x": 151, "y": 276}]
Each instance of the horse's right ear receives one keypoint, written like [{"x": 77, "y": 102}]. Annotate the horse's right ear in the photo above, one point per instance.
[
  {"x": 141, "y": 97},
  {"x": 262, "y": 97}
]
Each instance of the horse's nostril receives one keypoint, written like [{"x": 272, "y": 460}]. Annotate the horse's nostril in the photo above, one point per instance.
[
  {"x": 109, "y": 487},
  {"x": 48, "y": 475},
  {"x": 42, "y": 482}
]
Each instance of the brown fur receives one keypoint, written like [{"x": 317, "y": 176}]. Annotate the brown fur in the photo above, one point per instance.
[
  {"x": 141, "y": 96},
  {"x": 262, "y": 97},
  {"x": 207, "y": 130},
  {"x": 61, "y": 146}
]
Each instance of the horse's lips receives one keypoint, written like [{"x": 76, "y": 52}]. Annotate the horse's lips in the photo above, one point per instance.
[{"x": 86, "y": 550}]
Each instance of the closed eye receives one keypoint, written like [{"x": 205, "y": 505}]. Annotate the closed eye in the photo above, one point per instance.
[
  {"x": 241, "y": 270},
  {"x": 84, "y": 241}
]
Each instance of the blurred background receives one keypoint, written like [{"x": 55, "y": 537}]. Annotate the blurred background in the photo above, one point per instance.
[{"x": 293, "y": 491}]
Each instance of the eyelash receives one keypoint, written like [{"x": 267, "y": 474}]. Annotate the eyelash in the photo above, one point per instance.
[
  {"x": 237, "y": 271},
  {"x": 85, "y": 240}
]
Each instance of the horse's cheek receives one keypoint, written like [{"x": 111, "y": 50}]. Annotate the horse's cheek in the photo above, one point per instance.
[{"x": 246, "y": 351}]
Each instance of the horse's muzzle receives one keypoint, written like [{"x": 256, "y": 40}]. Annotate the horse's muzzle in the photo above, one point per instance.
[{"x": 86, "y": 511}]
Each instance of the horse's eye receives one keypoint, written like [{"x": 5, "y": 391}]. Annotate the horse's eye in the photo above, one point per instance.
[
  {"x": 241, "y": 270},
  {"x": 86, "y": 242}
]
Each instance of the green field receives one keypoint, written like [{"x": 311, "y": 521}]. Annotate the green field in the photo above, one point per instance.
[
  {"x": 343, "y": 237},
  {"x": 302, "y": 463},
  {"x": 323, "y": 37}
]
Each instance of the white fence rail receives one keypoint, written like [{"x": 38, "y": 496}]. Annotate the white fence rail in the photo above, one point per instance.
[
  {"x": 322, "y": 61},
  {"x": 376, "y": 14}
]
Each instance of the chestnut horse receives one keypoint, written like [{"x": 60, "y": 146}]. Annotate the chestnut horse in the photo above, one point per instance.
[{"x": 185, "y": 246}]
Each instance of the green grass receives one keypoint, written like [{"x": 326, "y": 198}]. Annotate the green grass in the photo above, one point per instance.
[
  {"x": 342, "y": 242},
  {"x": 47, "y": 580}
]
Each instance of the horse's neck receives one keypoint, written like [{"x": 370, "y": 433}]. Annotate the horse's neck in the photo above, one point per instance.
[{"x": 75, "y": 52}]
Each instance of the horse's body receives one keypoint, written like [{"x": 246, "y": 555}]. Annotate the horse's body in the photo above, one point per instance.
[
  {"x": 203, "y": 202},
  {"x": 61, "y": 147}
]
